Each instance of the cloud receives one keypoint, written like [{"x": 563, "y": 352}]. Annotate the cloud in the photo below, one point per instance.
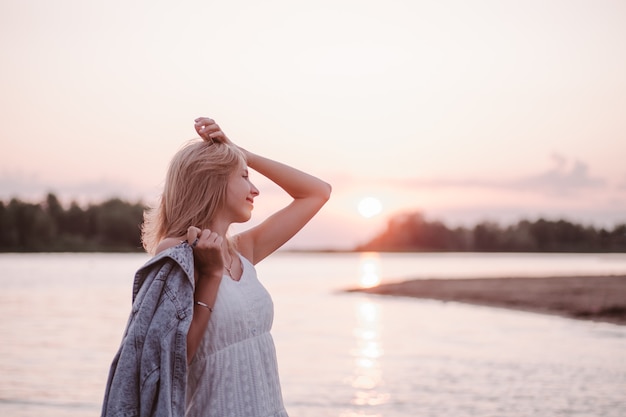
[
  {"x": 562, "y": 180},
  {"x": 14, "y": 184},
  {"x": 27, "y": 186}
]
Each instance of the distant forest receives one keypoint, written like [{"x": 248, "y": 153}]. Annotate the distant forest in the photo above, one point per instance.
[
  {"x": 112, "y": 226},
  {"x": 411, "y": 232},
  {"x": 115, "y": 226}
]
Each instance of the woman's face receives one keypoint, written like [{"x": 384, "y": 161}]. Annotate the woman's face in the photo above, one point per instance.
[{"x": 240, "y": 196}]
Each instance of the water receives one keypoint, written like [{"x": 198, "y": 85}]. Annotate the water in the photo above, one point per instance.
[{"x": 340, "y": 355}]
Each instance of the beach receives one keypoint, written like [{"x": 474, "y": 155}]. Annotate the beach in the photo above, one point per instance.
[{"x": 598, "y": 298}]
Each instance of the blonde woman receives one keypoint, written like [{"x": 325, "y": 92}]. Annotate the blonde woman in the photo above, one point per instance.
[{"x": 198, "y": 340}]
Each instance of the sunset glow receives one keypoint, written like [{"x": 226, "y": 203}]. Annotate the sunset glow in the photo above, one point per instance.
[
  {"x": 369, "y": 207},
  {"x": 465, "y": 111}
]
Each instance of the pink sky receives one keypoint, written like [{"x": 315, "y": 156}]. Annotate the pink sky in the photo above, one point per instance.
[{"x": 466, "y": 111}]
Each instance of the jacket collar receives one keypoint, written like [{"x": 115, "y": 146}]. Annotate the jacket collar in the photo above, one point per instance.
[{"x": 182, "y": 254}]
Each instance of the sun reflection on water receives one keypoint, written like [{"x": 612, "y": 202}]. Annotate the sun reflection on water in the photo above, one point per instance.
[
  {"x": 367, "y": 379},
  {"x": 369, "y": 265}
]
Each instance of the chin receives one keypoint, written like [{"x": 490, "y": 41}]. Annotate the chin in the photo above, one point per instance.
[{"x": 243, "y": 218}]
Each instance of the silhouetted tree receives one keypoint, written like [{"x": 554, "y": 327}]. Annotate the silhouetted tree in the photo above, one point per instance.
[{"x": 487, "y": 237}]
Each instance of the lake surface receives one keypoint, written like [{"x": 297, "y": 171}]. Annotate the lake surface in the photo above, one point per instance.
[{"x": 340, "y": 354}]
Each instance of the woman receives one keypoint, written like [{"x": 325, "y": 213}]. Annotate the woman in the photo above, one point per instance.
[{"x": 222, "y": 311}]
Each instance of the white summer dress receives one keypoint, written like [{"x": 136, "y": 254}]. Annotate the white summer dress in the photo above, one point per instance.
[{"x": 234, "y": 372}]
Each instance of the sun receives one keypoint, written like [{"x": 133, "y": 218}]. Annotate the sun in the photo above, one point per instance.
[{"x": 369, "y": 207}]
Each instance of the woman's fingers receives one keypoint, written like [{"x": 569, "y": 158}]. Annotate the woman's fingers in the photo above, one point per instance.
[
  {"x": 209, "y": 130},
  {"x": 203, "y": 238},
  {"x": 193, "y": 235},
  {"x": 207, "y": 251},
  {"x": 205, "y": 127}
]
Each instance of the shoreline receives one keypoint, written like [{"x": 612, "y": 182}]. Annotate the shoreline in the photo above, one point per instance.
[{"x": 597, "y": 298}]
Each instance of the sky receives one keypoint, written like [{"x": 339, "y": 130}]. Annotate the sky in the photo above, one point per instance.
[{"x": 465, "y": 111}]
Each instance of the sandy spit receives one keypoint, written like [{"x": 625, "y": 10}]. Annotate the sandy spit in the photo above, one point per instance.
[{"x": 599, "y": 298}]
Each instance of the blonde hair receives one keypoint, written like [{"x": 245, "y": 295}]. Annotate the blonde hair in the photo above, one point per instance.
[{"x": 194, "y": 190}]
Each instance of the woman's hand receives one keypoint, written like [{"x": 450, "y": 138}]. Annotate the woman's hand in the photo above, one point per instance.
[
  {"x": 210, "y": 131},
  {"x": 207, "y": 252}
]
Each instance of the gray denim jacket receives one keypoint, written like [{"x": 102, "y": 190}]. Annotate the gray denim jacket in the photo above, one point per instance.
[{"x": 148, "y": 376}]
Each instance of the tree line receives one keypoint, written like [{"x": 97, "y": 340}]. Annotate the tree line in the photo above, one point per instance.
[
  {"x": 115, "y": 226},
  {"x": 412, "y": 232},
  {"x": 112, "y": 226}
]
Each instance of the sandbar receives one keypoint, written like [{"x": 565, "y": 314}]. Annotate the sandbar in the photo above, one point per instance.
[{"x": 598, "y": 298}]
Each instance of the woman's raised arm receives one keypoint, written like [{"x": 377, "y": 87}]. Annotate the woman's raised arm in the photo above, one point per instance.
[
  {"x": 308, "y": 192},
  {"x": 309, "y": 195}
]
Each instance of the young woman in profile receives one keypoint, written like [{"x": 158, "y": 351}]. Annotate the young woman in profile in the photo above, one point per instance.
[{"x": 198, "y": 340}]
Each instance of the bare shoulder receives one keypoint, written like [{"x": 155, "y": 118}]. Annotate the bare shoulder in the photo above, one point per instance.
[{"x": 167, "y": 243}]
